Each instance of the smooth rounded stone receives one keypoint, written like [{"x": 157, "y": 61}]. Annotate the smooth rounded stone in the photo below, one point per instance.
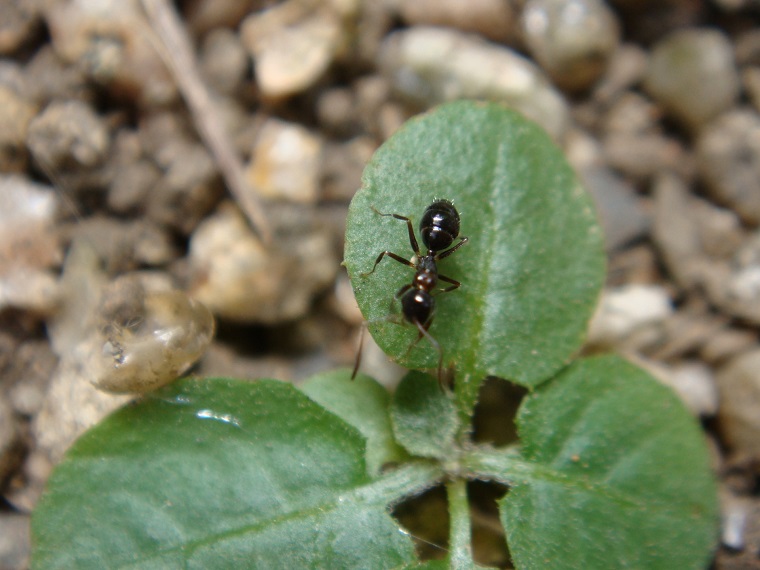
[
  {"x": 630, "y": 316},
  {"x": 16, "y": 112},
  {"x": 241, "y": 279},
  {"x": 573, "y": 41},
  {"x": 492, "y": 19},
  {"x": 285, "y": 163},
  {"x": 739, "y": 412},
  {"x": 114, "y": 45},
  {"x": 68, "y": 134},
  {"x": 729, "y": 161},
  {"x": 433, "y": 65},
  {"x": 223, "y": 60},
  {"x": 292, "y": 47},
  {"x": 622, "y": 214},
  {"x": 692, "y": 74},
  {"x": 171, "y": 333},
  {"x": 15, "y": 541}
]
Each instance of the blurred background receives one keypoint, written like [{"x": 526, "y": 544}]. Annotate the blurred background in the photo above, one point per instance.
[{"x": 213, "y": 147}]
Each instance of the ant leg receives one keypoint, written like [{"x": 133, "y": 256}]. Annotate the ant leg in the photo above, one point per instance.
[
  {"x": 448, "y": 252},
  {"x": 409, "y": 227},
  {"x": 358, "y": 359},
  {"x": 392, "y": 256},
  {"x": 424, "y": 332},
  {"x": 454, "y": 283},
  {"x": 360, "y": 348},
  {"x": 401, "y": 291}
]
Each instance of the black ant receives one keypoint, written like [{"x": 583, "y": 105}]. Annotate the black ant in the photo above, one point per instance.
[{"x": 439, "y": 227}]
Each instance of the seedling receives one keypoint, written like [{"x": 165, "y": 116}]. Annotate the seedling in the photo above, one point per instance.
[{"x": 610, "y": 471}]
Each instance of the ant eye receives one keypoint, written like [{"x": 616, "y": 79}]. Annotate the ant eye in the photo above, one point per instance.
[{"x": 164, "y": 342}]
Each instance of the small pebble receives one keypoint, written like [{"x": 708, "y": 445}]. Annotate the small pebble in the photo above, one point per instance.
[
  {"x": 729, "y": 161},
  {"x": 242, "y": 280},
  {"x": 125, "y": 245},
  {"x": 573, "y": 41},
  {"x": 172, "y": 333},
  {"x": 291, "y": 47},
  {"x": 68, "y": 134},
  {"x": 29, "y": 247},
  {"x": 625, "y": 311},
  {"x": 112, "y": 43},
  {"x": 285, "y": 163},
  {"x": 205, "y": 15},
  {"x": 18, "y": 23},
  {"x": 433, "y": 65},
  {"x": 734, "y": 522},
  {"x": 16, "y": 112},
  {"x": 739, "y": 413},
  {"x": 622, "y": 214},
  {"x": 625, "y": 70},
  {"x": 492, "y": 19},
  {"x": 693, "y": 75},
  {"x": 188, "y": 190},
  {"x": 223, "y": 60},
  {"x": 695, "y": 384}
]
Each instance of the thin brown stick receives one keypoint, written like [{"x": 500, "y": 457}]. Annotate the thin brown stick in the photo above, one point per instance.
[{"x": 179, "y": 56}]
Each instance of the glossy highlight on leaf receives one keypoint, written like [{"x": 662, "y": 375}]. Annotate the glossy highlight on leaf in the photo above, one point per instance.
[
  {"x": 534, "y": 264},
  {"x": 221, "y": 474}
]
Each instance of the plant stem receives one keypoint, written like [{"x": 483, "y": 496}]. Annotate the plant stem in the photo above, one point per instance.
[{"x": 460, "y": 555}]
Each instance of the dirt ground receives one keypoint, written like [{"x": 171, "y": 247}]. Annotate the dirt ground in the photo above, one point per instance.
[{"x": 213, "y": 147}]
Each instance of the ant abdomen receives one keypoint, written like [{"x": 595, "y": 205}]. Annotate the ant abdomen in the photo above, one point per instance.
[{"x": 439, "y": 225}]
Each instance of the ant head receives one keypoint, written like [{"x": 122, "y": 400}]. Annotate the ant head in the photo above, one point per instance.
[{"x": 439, "y": 225}]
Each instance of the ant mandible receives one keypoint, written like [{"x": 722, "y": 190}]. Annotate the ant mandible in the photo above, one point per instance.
[{"x": 439, "y": 227}]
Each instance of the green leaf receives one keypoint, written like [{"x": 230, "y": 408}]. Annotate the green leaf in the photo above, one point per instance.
[
  {"x": 363, "y": 404},
  {"x": 534, "y": 265},
  {"x": 223, "y": 474},
  {"x": 613, "y": 472},
  {"x": 424, "y": 418}
]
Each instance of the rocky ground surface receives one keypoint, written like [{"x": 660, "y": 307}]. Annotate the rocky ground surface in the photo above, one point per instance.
[{"x": 216, "y": 152}]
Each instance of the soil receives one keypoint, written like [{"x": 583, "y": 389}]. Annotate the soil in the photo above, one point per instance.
[{"x": 212, "y": 147}]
